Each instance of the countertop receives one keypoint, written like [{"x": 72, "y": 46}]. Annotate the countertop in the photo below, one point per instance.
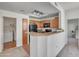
[{"x": 44, "y": 33}]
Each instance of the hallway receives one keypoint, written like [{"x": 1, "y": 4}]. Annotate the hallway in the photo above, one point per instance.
[{"x": 70, "y": 50}]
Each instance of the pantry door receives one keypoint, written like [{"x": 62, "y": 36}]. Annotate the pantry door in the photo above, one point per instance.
[{"x": 25, "y": 32}]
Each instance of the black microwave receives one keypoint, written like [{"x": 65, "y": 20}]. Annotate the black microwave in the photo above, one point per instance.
[{"x": 46, "y": 25}]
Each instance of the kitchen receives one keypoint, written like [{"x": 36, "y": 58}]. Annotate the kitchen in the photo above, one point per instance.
[
  {"x": 44, "y": 25},
  {"x": 46, "y": 38}
]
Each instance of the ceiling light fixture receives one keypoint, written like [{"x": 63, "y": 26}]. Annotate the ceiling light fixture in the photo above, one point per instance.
[{"x": 38, "y": 13}]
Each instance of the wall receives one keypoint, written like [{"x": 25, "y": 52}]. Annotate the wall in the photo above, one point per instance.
[
  {"x": 72, "y": 14},
  {"x": 1, "y": 33},
  {"x": 19, "y": 18},
  {"x": 8, "y": 30}
]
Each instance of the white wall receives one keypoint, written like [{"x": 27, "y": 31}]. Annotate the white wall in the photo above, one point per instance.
[
  {"x": 19, "y": 18},
  {"x": 72, "y": 14},
  {"x": 1, "y": 33}
]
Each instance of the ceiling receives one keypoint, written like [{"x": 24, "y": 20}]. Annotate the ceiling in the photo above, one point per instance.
[
  {"x": 28, "y": 7},
  {"x": 69, "y": 5}
]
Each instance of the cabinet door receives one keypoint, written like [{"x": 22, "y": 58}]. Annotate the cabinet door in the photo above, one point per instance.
[
  {"x": 42, "y": 46},
  {"x": 55, "y": 23},
  {"x": 51, "y": 46},
  {"x": 33, "y": 46}
]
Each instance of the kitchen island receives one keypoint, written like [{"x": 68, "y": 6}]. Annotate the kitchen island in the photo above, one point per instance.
[{"x": 47, "y": 44}]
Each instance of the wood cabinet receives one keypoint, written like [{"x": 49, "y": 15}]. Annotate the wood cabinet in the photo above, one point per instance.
[
  {"x": 38, "y": 23},
  {"x": 55, "y": 22}
]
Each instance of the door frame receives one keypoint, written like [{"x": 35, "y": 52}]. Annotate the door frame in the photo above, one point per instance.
[{"x": 68, "y": 27}]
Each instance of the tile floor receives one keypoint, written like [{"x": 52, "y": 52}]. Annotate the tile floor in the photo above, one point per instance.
[
  {"x": 14, "y": 52},
  {"x": 70, "y": 50}
]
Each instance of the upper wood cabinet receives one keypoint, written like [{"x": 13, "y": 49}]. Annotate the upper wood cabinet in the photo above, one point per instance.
[
  {"x": 55, "y": 22},
  {"x": 39, "y": 23}
]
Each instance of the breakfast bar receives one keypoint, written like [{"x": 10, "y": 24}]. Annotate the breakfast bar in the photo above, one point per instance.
[
  {"x": 46, "y": 43},
  {"x": 43, "y": 33}
]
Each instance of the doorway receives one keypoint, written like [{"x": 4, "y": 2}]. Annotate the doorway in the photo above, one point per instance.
[
  {"x": 9, "y": 29},
  {"x": 73, "y": 32}
]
